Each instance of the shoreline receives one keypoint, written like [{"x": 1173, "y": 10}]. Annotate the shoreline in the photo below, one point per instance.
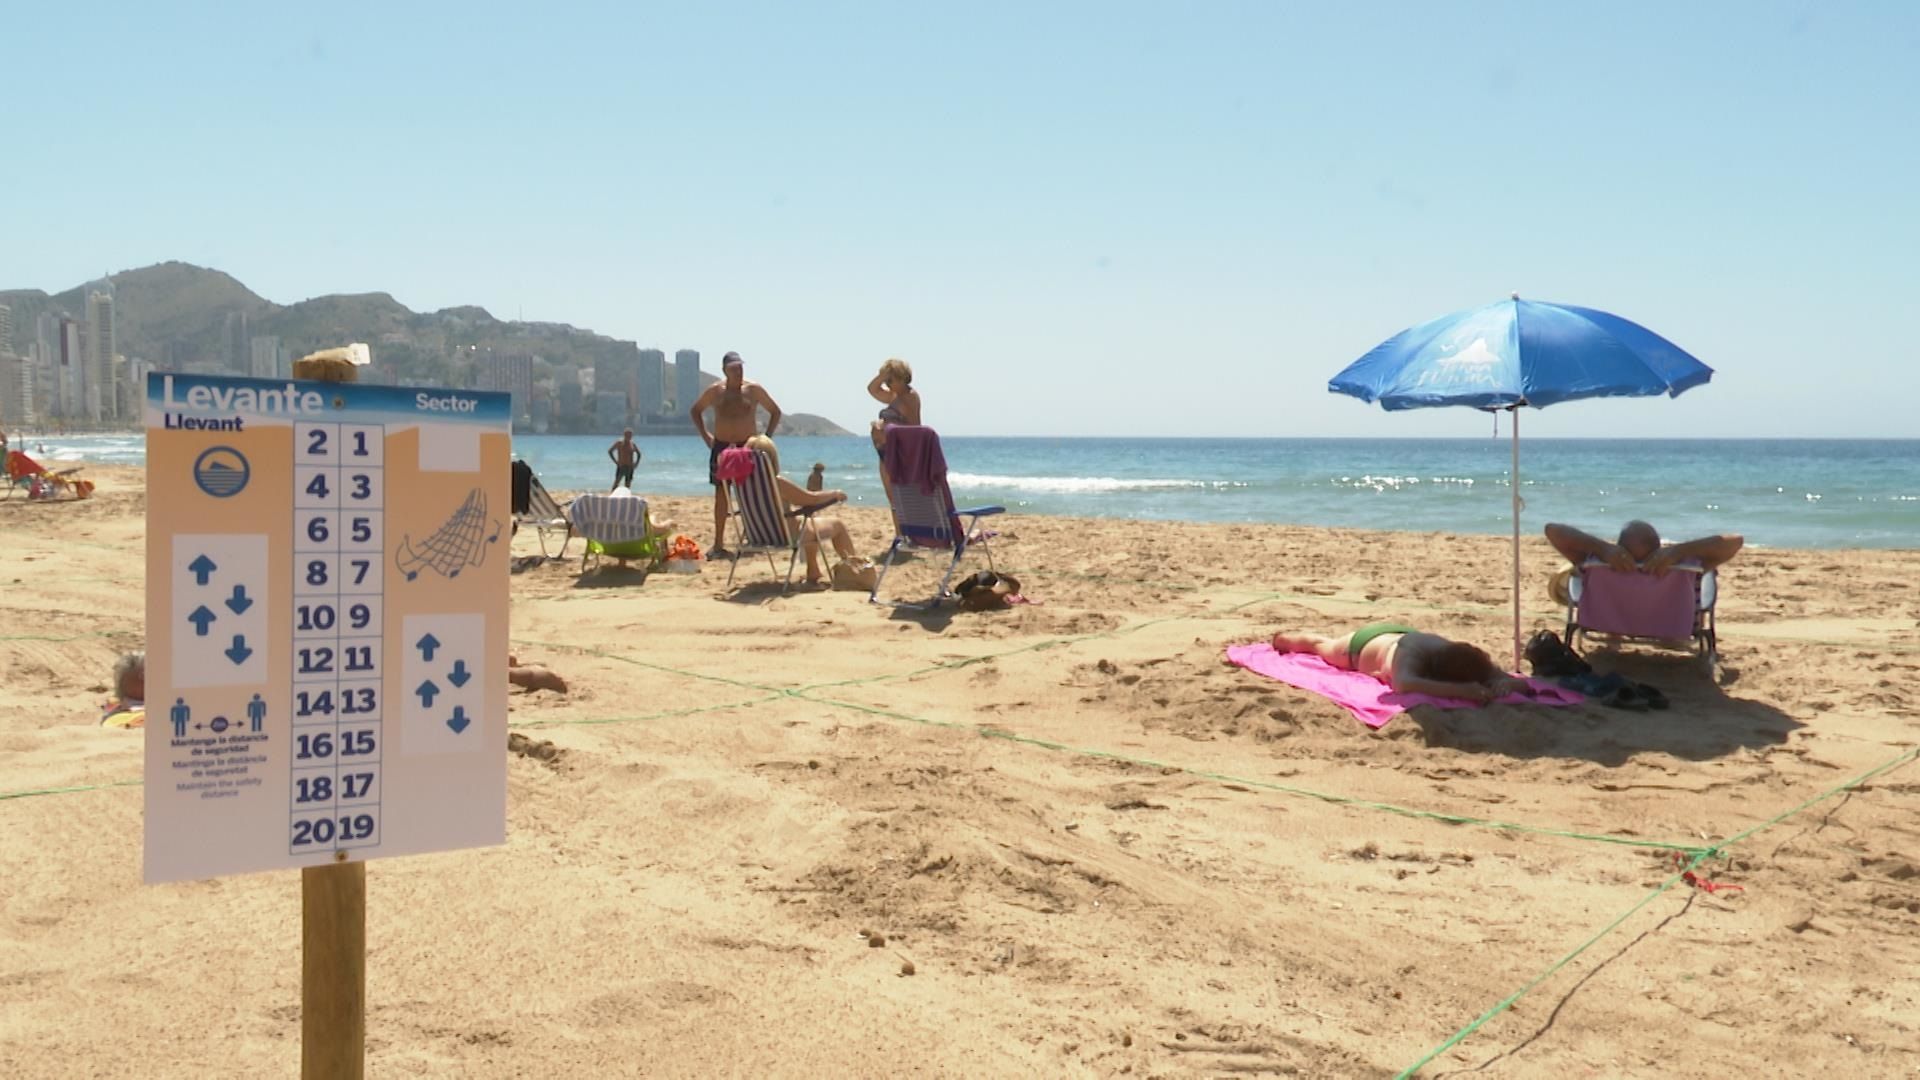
[{"x": 1531, "y": 531}]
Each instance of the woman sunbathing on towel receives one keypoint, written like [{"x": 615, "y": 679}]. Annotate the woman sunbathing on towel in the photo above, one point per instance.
[{"x": 1409, "y": 661}]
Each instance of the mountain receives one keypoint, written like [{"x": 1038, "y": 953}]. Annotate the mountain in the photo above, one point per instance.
[{"x": 184, "y": 317}]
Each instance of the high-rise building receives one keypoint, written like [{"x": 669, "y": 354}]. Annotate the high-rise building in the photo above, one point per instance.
[
  {"x": 6, "y": 329},
  {"x": 652, "y": 383},
  {"x": 16, "y": 389},
  {"x": 263, "y": 357},
  {"x": 73, "y": 372},
  {"x": 686, "y": 377},
  {"x": 102, "y": 402},
  {"x": 239, "y": 346},
  {"x": 567, "y": 391},
  {"x": 513, "y": 374},
  {"x": 618, "y": 372},
  {"x": 610, "y": 409}
]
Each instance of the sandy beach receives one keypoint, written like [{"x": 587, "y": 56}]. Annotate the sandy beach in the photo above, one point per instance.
[{"x": 1091, "y": 847}]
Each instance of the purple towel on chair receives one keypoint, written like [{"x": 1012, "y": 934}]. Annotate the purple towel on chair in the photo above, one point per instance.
[
  {"x": 1371, "y": 701},
  {"x": 912, "y": 457}
]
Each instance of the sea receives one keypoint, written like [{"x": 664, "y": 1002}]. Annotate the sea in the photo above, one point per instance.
[{"x": 1830, "y": 493}]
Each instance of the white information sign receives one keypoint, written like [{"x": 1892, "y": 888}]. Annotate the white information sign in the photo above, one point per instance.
[{"x": 326, "y": 622}]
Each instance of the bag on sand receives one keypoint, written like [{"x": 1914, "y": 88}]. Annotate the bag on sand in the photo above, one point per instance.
[
  {"x": 988, "y": 591},
  {"x": 855, "y": 575},
  {"x": 1552, "y": 659}
]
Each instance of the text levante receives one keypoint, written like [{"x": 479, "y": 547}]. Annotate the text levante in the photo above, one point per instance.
[{"x": 291, "y": 400}]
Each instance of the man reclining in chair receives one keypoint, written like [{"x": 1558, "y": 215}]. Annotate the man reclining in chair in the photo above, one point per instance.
[
  {"x": 1638, "y": 548},
  {"x": 1410, "y": 662}
]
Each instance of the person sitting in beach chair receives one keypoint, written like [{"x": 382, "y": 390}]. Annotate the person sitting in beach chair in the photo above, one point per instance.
[
  {"x": 1629, "y": 590},
  {"x": 1639, "y": 548},
  {"x": 766, "y": 504},
  {"x": 617, "y": 526},
  {"x": 533, "y": 505},
  {"x": 41, "y": 482},
  {"x": 1410, "y": 662}
]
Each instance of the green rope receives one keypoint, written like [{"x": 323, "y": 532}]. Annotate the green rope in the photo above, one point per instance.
[
  {"x": 30, "y": 792},
  {"x": 668, "y": 714},
  {"x": 649, "y": 665},
  {"x": 1268, "y": 785},
  {"x": 91, "y": 634},
  {"x": 1506, "y": 1003},
  {"x": 1700, "y": 855}
]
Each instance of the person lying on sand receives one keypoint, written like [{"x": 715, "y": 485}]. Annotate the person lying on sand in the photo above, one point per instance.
[
  {"x": 128, "y": 708},
  {"x": 1410, "y": 662},
  {"x": 533, "y": 677}
]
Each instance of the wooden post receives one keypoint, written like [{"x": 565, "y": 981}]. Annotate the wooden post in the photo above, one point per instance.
[
  {"x": 333, "y": 911},
  {"x": 333, "y": 971}
]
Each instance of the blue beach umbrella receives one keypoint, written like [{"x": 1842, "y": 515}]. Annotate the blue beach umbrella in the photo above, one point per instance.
[{"x": 1519, "y": 352}]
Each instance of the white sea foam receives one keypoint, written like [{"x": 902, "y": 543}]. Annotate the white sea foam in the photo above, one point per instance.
[{"x": 1081, "y": 485}]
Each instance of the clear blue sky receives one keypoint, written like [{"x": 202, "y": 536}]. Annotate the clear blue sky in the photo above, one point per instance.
[{"x": 1074, "y": 218}]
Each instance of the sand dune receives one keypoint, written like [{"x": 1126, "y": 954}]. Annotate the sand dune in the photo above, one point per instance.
[{"x": 1099, "y": 849}]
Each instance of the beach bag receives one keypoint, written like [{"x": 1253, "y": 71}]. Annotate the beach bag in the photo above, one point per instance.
[
  {"x": 988, "y": 591},
  {"x": 855, "y": 575},
  {"x": 1552, "y": 659}
]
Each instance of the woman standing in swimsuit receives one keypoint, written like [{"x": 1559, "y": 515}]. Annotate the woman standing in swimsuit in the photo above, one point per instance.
[
  {"x": 1410, "y": 662},
  {"x": 900, "y": 404}
]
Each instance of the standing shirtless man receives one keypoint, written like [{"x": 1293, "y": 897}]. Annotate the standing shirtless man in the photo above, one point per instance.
[
  {"x": 735, "y": 403},
  {"x": 625, "y": 456}
]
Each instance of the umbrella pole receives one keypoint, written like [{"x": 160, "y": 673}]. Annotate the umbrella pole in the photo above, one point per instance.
[{"x": 1516, "y": 538}]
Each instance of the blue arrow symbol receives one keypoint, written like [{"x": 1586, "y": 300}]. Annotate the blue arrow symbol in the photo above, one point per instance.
[
  {"x": 426, "y": 645},
  {"x": 201, "y": 619},
  {"x": 427, "y": 691},
  {"x": 239, "y": 653},
  {"x": 239, "y": 602},
  {"x": 202, "y": 568},
  {"x": 458, "y": 722},
  {"x": 460, "y": 674}
]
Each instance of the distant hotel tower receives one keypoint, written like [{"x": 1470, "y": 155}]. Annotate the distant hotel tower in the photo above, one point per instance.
[{"x": 686, "y": 377}]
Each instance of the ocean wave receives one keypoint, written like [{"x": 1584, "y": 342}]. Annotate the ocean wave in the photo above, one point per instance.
[{"x": 1082, "y": 485}]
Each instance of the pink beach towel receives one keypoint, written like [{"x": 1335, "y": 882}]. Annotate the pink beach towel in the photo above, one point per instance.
[
  {"x": 735, "y": 465},
  {"x": 1363, "y": 695}
]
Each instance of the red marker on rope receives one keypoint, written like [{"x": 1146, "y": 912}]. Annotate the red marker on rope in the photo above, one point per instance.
[{"x": 1701, "y": 881}]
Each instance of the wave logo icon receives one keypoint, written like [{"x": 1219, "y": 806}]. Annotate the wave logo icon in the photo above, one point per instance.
[{"x": 222, "y": 472}]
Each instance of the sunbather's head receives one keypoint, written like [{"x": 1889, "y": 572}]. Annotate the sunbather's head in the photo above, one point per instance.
[
  {"x": 130, "y": 677},
  {"x": 765, "y": 446},
  {"x": 1460, "y": 663},
  {"x": 1640, "y": 539}
]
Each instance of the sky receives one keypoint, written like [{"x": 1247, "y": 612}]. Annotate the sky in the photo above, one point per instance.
[{"x": 1114, "y": 218}]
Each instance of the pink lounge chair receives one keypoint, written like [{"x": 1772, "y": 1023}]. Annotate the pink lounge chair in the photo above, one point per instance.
[{"x": 1675, "y": 610}]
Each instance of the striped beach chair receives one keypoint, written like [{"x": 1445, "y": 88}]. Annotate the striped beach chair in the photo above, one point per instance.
[
  {"x": 924, "y": 516},
  {"x": 615, "y": 527},
  {"x": 762, "y": 523},
  {"x": 535, "y": 507}
]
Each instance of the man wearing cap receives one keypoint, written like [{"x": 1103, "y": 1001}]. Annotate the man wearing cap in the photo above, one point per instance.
[{"x": 736, "y": 404}]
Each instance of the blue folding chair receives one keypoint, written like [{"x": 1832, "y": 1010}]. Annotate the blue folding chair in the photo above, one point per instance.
[{"x": 928, "y": 519}]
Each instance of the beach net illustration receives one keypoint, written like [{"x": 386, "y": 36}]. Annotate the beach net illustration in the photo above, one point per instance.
[{"x": 454, "y": 546}]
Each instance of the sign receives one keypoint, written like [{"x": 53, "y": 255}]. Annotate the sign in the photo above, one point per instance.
[{"x": 326, "y": 622}]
